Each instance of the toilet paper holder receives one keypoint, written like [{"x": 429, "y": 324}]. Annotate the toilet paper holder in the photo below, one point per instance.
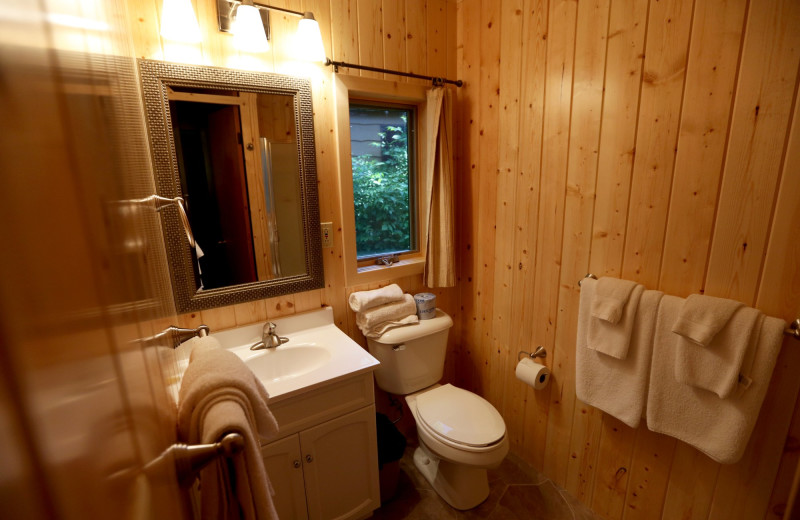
[{"x": 539, "y": 352}]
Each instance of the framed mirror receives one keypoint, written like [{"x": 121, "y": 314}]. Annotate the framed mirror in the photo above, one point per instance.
[{"x": 238, "y": 148}]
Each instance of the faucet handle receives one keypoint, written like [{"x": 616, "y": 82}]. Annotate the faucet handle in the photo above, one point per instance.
[{"x": 269, "y": 328}]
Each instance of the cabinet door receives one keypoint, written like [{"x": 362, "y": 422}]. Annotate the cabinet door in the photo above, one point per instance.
[
  {"x": 340, "y": 465},
  {"x": 285, "y": 469}
]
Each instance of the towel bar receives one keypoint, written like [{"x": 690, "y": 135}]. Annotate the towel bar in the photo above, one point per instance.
[
  {"x": 792, "y": 330},
  {"x": 174, "y": 336}
]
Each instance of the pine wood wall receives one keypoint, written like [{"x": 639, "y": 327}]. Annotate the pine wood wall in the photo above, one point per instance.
[
  {"x": 657, "y": 141},
  {"x": 415, "y": 35}
]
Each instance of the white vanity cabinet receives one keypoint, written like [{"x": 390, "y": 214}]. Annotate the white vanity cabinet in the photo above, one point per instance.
[{"x": 325, "y": 465}]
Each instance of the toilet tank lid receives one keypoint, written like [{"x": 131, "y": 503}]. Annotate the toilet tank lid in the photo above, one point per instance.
[{"x": 407, "y": 333}]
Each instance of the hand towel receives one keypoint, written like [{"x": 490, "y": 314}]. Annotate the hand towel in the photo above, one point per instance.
[
  {"x": 614, "y": 339},
  {"x": 716, "y": 367},
  {"x": 720, "y": 428},
  {"x": 363, "y": 300},
  {"x": 617, "y": 387},
  {"x": 702, "y": 317},
  {"x": 378, "y": 320},
  {"x": 610, "y": 298},
  {"x": 220, "y": 395}
]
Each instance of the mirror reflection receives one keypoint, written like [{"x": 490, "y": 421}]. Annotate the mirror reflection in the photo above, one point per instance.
[
  {"x": 238, "y": 148},
  {"x": 243, "y": 200}
]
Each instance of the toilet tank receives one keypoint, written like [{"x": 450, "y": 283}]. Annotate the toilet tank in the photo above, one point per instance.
[{"x": 412, "y": 356}]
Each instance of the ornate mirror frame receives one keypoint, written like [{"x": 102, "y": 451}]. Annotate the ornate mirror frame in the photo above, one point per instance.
[{"x": 156, "y": 76}]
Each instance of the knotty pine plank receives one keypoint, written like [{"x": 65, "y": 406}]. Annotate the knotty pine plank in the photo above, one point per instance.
[
  {"x": 415, "y": 36},
  {"x": 437, "y": 34},
  {"x": 394, "y": 37},
  {"x": 525, "y": 410},
  {"x": 344, "y": 28},
  {"x": 555, "y": 152},
  {"x": 508, "y": 150},
  {"x": 587, "y": 106},
  {"x": 370, "y": 36}
]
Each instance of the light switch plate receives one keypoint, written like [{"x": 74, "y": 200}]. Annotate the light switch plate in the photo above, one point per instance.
[{"x": 326, "y": 229}]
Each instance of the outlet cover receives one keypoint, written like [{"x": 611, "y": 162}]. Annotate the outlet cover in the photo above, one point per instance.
[{"x": 326, "y": 229}]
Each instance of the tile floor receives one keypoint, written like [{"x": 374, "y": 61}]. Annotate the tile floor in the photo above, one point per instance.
[{"x": 516, "y": 491}]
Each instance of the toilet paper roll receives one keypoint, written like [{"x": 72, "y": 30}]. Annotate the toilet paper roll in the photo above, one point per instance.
[
  {"x": 532, "y": 373},
  {"x": 426, "y": 305}
]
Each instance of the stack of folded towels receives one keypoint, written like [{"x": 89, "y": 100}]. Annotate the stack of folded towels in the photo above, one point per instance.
[
  {"x": 697, "y": 368},
  {"x": 383, "y": 309}
]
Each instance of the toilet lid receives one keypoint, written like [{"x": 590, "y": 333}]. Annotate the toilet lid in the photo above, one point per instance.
[{"x": 460, "y": 416}]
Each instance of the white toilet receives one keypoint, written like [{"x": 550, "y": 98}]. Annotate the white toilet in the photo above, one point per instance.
[{"x": 461, "y": 434}]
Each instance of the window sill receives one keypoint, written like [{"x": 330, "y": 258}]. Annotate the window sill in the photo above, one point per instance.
[{"x": 379, "y": 273}]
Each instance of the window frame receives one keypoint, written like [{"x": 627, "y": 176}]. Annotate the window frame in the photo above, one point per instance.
[{"x": 392, "y": 92}]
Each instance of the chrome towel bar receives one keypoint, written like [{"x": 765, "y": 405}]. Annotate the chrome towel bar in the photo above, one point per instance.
[{"x": 792, "y": 330}]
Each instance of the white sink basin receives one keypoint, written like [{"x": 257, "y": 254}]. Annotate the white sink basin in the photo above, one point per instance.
[
  {"x": 287, "y": 361},
  {"x": 317, "y": 353}
]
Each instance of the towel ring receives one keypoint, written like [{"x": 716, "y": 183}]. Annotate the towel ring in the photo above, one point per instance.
[{"x": 589, "y": 275}]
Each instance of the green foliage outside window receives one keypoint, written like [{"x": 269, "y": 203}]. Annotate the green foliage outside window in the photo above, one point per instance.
[{"x": 381, "y": 194}]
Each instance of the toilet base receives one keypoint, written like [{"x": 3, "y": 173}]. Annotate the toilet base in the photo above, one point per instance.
[{"x": 461, "y": 486}]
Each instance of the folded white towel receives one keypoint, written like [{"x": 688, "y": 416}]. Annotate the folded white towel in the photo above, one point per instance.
[
  {"x": 374, "y": 322},
  {"x": 617, "y": 387},
  {"x": 716, "y": 367},
  {"x": 720, "y": 428},
  {"x": 610, "y": 298},
  {"x": 614, "y": 339},
  {"x": 363, "y": 300},
  {"x": 702, "y": 317},
  {"x": 220, "y": 395}
]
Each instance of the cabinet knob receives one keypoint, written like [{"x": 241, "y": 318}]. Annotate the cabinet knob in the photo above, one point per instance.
[
  {"x": 250, "y": 146},
  {"x": 296, "y": 464},
  {"x": 309, "y": 458}
]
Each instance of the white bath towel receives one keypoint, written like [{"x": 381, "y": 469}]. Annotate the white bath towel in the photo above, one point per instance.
[
  {"x": 720, "y": 428},
  {"x": 220, "y": 395},
  {"x": 716, "y": 367},
  {"x": 617, "y": 387},
  {"x": 363, "y": 300},
  {"x": 614, "y": 339},
  {"x": 702, "y": 317},
  {"x": 374, "y": 322},
  {"x": 610, "y": 298}
]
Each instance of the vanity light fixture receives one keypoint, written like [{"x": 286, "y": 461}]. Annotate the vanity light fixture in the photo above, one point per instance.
[
  {"x": 309, "y": 37},
  {"x": 248, "y": 30},
  {"x": 178, "y": 21}
]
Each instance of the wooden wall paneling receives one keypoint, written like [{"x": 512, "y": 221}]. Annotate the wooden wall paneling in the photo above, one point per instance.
[
  {"x": 415, "y": 37},
  {"x": 760, "y": 117},
  {"x": 508, "y": 149},
  {"x": 692, "y": 479},
  {"x": 437, "y": 39},
  {"x": 145, "y": 29},
  {"x": 555, "y": 151},
  {"x": 710, "y": 77},
  {"x": 327, "y": 155},
  {"x": 779, "y": 295},
  {"x": 488, "y": 99},
  {"x": 216, "y": 45},
  {"x": 584, "y": 142},
  {"x": 469, "y": 110},
  {"x": 394, "y": 37},
  {"x": 370, "y": 36},
  {"x": 219, "y": 318},
  {"x": 666, "y": 50},
  {"x": 283, "y": 27},
  {"x": 524, "y": 409},
  {"x": 624, "y": 59},
  {"x": 745, "y": 489},
  {"x": 710, "y": 81},
  {"x": 344, "y": 30},
  {"x": 250, "y": 312},
  {"x": 649, "y": 474},
  {"x": 659, "y": 116}
]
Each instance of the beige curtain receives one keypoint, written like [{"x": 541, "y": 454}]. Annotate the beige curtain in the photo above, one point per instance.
[{"x": 440, "y": 261}]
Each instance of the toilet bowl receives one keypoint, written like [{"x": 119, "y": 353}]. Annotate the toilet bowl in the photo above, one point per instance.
[{"x": 461, "y": 434}]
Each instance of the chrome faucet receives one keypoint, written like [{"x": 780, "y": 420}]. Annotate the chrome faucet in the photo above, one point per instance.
[{"x": 269, "y": 339}]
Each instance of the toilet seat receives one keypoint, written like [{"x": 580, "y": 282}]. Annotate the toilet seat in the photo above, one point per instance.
[{"x": 459, "y": 418}]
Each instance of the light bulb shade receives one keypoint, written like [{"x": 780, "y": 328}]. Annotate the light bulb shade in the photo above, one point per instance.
[
  {"x": 178, "y": 21},
  {"x": 309, "y": 39},
  {"x": 248, "y": 31}
]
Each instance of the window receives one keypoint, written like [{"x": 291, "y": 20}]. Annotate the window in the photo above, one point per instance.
[
  {"x": 382, "y": 146},
  {"x": 381, "y": 142}
]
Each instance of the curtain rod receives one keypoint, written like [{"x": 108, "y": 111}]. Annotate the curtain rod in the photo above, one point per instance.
[{"x": 436, "y": 81}]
